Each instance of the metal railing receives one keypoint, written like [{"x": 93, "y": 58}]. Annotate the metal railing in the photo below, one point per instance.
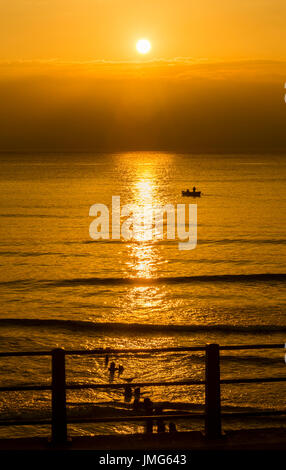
[{"x": 212, "y": 415}]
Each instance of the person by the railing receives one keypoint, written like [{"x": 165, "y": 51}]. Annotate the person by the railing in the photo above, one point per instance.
[
  {"x": 148, "y": 408},
  {"x": 172, "y": 427},
  {"x": 137, "y": 393},
  {"x": 112, "y": 368},
  {"x": 106, "y": 360},
  {"x": 158, "y": 410},
  {"x": 127, "y": 393},
  {"x": 161, "y": 426},
  {"x": 136, "y": 404},
  {"x": 149, "y": 426}
]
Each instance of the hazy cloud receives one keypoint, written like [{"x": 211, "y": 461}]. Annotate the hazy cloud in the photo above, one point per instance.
[{"x": 176, "y": 104}]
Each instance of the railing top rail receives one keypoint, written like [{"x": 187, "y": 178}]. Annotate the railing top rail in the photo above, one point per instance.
[
  {"x": 24, "y": 353},
  {"x": 104, "y": 351},
  {"x": 253, "y": 346}
]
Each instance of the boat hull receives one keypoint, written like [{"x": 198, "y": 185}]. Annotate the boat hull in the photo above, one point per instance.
[{"x": 191, "y": 193}]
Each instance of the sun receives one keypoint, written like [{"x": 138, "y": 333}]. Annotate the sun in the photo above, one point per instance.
[{"x": 143, "y": 46}]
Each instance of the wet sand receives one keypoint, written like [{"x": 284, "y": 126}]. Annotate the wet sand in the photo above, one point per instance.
[{"x": 253, "y": 439}]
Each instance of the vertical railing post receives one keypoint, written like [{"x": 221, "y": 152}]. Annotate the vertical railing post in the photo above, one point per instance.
[
  {"x": 212, "y": 393},
  {"x": 59, "y": 411}
]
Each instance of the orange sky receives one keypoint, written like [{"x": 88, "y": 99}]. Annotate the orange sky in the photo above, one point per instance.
[
  {"x": 71, "y": 78},
  {"x": 108, "y": 29}
]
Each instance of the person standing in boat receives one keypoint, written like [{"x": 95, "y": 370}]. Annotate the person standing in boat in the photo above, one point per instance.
[{"x": 194, "y": 189}]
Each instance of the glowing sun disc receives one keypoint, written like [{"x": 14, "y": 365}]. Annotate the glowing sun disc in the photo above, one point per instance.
[{"x": 143, "y": 46}]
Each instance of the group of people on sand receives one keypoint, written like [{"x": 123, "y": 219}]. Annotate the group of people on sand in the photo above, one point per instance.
[{"x": 147, "y": 406}]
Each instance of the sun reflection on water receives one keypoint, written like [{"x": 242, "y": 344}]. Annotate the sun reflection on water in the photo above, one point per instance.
[
  {"x": 143, "y": 255},
  {"x": 142, "y": 260},
  {"x": 145, "y": 191}
]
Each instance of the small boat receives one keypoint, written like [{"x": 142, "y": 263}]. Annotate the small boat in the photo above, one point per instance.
[{"x": 193, "y": 193}]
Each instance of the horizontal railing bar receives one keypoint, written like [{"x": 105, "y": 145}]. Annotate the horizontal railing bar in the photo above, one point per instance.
[
  {"x": 115, "y": 419},
  {"x": 171, "y": 349},
  {"x": 104, "y": 351},
  {"x": 121, "y": 419},
  {"x": 178, "y": 383},
  {"x": 252, "y": 346},
  {"x": 135, "y": 384},
  {"x": 25, "y": 353},
  {"x": 254, "y": 413},
  {"x": 80, "y": 352},
  {"x": 107, "y": 419},
  {"x": 250, "y": 380},
  {"x": 23, "y": 388},
  {"x": 164, "y": 417},
  {"x": 26, "y": 423}
]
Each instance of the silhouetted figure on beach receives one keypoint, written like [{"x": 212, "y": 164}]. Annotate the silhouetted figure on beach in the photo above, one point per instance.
[
  {"x": 172, "y": 427},
  {"x": 136, "y": 404},
  {"x": 158, "y": 410},
  {"x": 149, "y": 426},
  {"x": 161, "y": 426},
  {"x": 137, "y": 393},
  {"x": 106, "y": 360},
  {"x": 112, "y": 368},
  {"x": 148, "y": 406},
  {"x": 120, "y": 370},
  {"x": 127, "y": 393}
]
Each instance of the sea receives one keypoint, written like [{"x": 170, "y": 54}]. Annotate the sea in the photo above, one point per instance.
[{"x": 61, "y": 288}]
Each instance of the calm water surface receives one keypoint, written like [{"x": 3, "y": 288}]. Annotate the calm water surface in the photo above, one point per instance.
[{"x": 58, "y": 287}]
